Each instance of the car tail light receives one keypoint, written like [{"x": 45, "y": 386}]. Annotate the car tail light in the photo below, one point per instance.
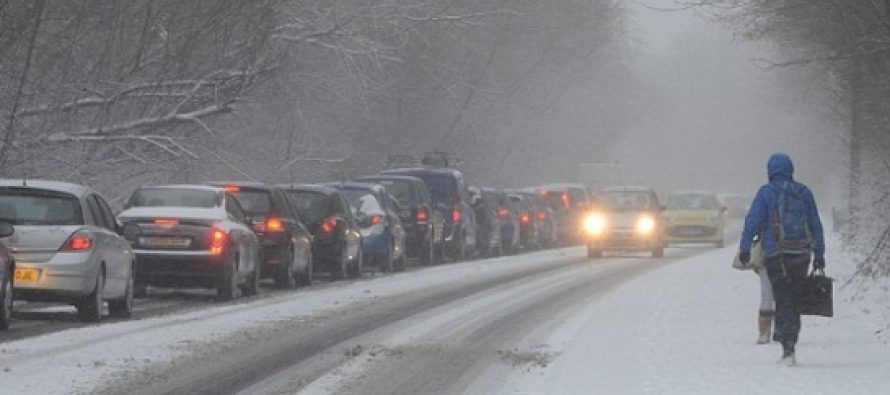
[
  {"x": 217, "y": 241},
  {"x": 232, "y": 188},
  {"x": 455, "y": 215},
  {"x": 274, "y": 225},
  {"x": 376, "y": 219},
  {"x": 422, "y": 215},
  {"x": 77, "y": 243},
  {"x": 542, "y": 217},
  {"x": 329, "y": 225},
  {"x": 525, "y": 218},
  {"x": 166, "y": 222},
  {"x": 503, "y": 213},
  {"x": 566, "y": 202}
]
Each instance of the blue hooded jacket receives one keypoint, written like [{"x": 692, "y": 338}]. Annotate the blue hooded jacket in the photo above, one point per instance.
[{"x": 780, "y": 170}]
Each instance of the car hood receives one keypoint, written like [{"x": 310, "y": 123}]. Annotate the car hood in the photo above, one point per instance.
[
  {"x": 626, "y": 219},
  {"x": 691, "y": 216},
  {"x": 39, "y": 238}
]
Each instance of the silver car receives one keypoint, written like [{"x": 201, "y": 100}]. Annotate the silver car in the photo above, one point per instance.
[
  {"x": 192, "y": 236},
  {"x": 66, "y": 247}
]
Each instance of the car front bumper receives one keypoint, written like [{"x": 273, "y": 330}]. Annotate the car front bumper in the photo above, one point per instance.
[{"x": 624, "y": 240}]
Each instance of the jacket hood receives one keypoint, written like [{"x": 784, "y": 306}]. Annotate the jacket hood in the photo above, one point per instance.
[{"x": 780, "y": 168}]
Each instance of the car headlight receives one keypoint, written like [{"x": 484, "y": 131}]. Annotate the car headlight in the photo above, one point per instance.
[
  {"x": 645, "y": 225},
  {"x": 595, "y": 224}
]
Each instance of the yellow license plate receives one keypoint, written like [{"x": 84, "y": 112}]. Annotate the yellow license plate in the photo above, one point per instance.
[
  {"x": 167, "y": 242},
  {"x": 25, "y": 275}
]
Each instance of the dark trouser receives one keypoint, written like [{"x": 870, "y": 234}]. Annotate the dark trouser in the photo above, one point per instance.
[{"x": 787, "y": 273}]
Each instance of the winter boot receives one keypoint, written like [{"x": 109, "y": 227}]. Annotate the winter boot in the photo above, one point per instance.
[
  {"x": 788, "y": 357},
  {"x": 764, "y": 325}
]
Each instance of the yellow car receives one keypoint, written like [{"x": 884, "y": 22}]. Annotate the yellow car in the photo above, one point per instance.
[{"x": 694, "y": 217}]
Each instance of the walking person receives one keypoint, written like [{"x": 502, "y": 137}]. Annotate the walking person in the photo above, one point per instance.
[{"x": 785, "y": 210}]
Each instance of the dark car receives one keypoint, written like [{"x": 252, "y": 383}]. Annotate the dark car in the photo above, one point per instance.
[
  {"x": 337, "y": 239},
  {"x": 508, "y": 215},
  {"x": 528, "y": 227},
  {"x": 191, "y": 236},
  {"x": 377, "y": 215},
  {"x": 627, "y": 219},
  {"x": 452, "y": 198},
  {"x": 7, "y": 274},
  {"x": 568, "y": 202},
  {"x": 424, "y": 225},
  {"x": 542, "y": 214},
  {"x": 285, "y": 243},
  {"x": 488, "y": 226}
]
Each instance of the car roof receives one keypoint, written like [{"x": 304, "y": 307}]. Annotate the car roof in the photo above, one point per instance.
[
  {"x": 409, "y": 170},
  {"x": 195, "y": 187},
  {"x": 389, "y": 177},
  {"x": 377, "y": 188},
  {"x": 241, "y": 184},
  {"x": 325, "y": 189},
  {"x": 54, "y": 186}
]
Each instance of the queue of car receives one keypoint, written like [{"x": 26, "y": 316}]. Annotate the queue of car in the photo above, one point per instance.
[{"x": 62, "y": 242}]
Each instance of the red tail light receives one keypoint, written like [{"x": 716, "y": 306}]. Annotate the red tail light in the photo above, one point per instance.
[
  {"x": 232, "y": 188},
  {"x": 455, "y": 215},
  {"x": 217, "y": 241},
  {"x": 525, "y": 218},
  {"x": 329, "y": 225},
  {"x": 422, "y": 215},
  {"x": 77, "y": 243},
  {"x": 274, "y": 225},
  {"x": 165, "y": 222},
  {"x": 566, "y": 202},
  {"x": 376, "y": 219},
  {"x": 503, "y": 213},
  {"x": 542, "y": 216}
]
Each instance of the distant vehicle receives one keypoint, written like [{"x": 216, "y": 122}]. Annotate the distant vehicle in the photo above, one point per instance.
[
  {"x": 67, "y": 248},
  {"x": 7, "y": 272},
  {"x": 627, "y": 219},
  {"x": 424, "y": 225},
  {"x": 452, "y": 199},
  {"x": 192, "y": 236},
  {"x": 568, "y": 202},
  {"x": 508, "y": 214},
  {"x": 542, "y": 214},
  {"x": 285, "y": 243},
  {"x": 377, "y": 214},
  {"x": 694, "y": 217},
  {"x": 736, "y": 206},
  {"x": 337, "y": 241},
  {"x": 528, "y": 225},
  {"x": 487, "y": 203}
]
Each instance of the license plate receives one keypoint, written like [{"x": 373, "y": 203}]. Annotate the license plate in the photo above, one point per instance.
[
  {"x": 25, "y": 275},
  {"x": 166, "y": 242}
]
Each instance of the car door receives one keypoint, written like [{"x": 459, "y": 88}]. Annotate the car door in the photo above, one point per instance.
[
  {"x": 119, "y": 248},
  {"x": 104, "y": 248},
  {"x": 302, "y": 241},
  {"x": 353, "y": 236}
]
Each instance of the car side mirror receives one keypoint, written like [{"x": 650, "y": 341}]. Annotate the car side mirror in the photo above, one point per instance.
[{"x": 6, "y": 229}]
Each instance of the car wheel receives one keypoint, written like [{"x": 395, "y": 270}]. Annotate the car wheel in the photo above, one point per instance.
[
  {"x": 284, "y": 276},
  {"x": 304, "y": 279},
  {"x": 228, "y": 287},
  {"x": 123, "y": 308},
  {"x": 593, "y": 252},
  {"x": 6, "y": 301},
  {"x": 89, "y": 309},
  {"x": 252, "y": 286}
]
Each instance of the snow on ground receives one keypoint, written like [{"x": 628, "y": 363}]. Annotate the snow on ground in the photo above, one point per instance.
[
  {"x": 690, "y": 328},
  {"x": 80, "y": 359}
]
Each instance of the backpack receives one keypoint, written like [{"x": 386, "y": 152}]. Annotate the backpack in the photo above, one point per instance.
[{"x": 791, "y": 222}]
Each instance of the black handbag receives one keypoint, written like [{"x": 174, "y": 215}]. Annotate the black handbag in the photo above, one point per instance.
[{"x": 816, "y": 295}]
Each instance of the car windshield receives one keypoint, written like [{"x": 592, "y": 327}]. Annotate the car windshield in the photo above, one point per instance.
[
  {"x": 34, "y": 207},
  {"x": 557, "y": 200},
  {"x": 254, "y": 201},
  {"x": 174, "y": 197},
  {"x": 629, "y": 200},
  {"x": 399, "y": 189},
  {"x": 362, "y": 202},
  {"x": 312, "y": 206},
  {"x": 692, "y": 201}
]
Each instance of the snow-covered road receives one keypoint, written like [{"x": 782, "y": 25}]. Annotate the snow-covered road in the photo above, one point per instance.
[{"x": 550, "y": 322}]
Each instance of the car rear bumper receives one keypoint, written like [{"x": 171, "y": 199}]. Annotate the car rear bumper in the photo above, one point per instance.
[
  {"x": 64, "y": 276},
  {"x": 179, "y": 268}
]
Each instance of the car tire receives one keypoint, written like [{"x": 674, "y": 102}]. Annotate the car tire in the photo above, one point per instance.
[
  {"x": 89, "y": 309},
  {"x": 284, "y": 276},
  {"x": 123, "y": 308},
  {"x": 304, "y": 279},
  {"x": 6, "y": 300},
  {"x": 251, "y": 287},
  {"x": 593, "y": 252},
  {"x": 228, "y": 287}
]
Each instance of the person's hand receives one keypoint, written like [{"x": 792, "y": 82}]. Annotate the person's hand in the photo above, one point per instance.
[
  {"x": 819, "y": 264},
  {"x": 745, "y": 257}
]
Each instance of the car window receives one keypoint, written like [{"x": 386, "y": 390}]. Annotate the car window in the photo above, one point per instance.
[
  {"x": 254, "y": 201},
  {"x": 104, "y": 212},
  {"x": 174, "y": 197},
  {"x": 234, "y": 209},
  {"x": 401, "y": 190},
  {"x": 25, "y": 206},
  {"x": 632, "y": 200},
  {"x": 95, "y": 212},
  {"x": 313, "y": 206},
  {"x": 362, "y": 202},
  {"x": 443, "y": 188}
]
